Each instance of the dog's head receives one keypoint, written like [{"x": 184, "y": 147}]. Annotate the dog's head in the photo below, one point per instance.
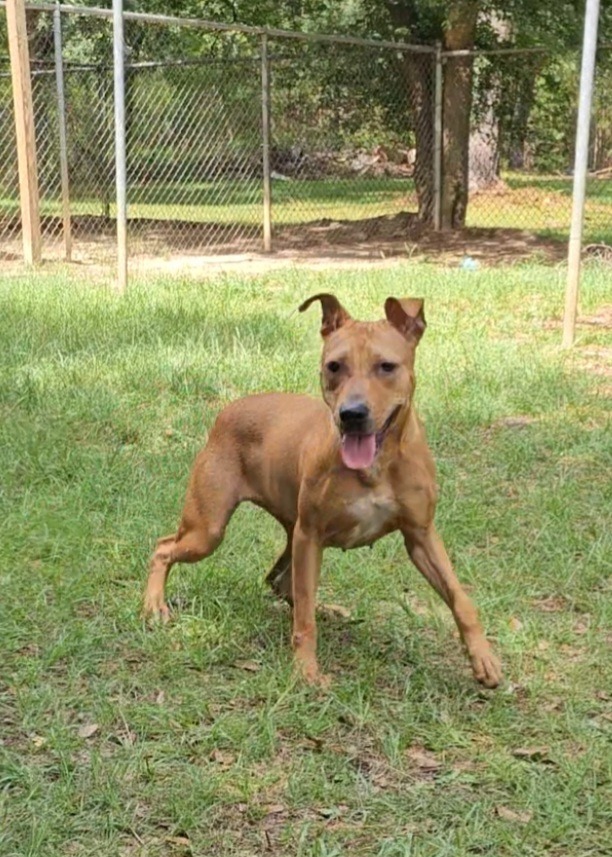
[{"x": 367, "y": 372}]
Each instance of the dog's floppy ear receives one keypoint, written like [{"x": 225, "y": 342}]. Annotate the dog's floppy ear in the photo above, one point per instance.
[
  {"x": 334, "y": 314},
  {"x": 406, "y": 314}
]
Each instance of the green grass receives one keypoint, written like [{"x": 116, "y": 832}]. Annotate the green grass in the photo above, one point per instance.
[
  {"x": 541, "y": 204},
  {"x": 103, "y": 403}
]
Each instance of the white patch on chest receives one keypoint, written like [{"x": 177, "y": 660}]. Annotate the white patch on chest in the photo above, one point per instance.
[{"x": 373, "y": 513}]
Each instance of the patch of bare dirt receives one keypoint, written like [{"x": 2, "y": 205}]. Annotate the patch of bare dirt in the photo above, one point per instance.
[
  {"x": 597, "y": 360},
  {"x": 209, "y": 248},
  {"x": 404, "y": 234},
  {"x": 602, "y": 318}
]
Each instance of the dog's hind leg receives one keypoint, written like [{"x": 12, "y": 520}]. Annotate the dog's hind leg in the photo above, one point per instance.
[
  {"x": 211, "y": 499},
  {"x": 279, "y": 576}
]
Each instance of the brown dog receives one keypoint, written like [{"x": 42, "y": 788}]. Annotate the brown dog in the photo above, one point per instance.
[{"x": 340, "y": 474}]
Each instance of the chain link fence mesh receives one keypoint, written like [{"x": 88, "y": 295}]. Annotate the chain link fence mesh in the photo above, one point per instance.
[
  {"x": 89, "y": 122},
  {"x": 194, "y": 156},
  {"x": 10, "y": 224},
  {"x": 344, "y": 149},
  {"x": 351, "y": 143},
  {"x": 44, "y": 97},
  {"x": 522, "y": 145}
]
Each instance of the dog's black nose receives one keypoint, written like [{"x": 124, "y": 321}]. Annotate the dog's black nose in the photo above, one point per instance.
[{"x": 354, "y": 414}]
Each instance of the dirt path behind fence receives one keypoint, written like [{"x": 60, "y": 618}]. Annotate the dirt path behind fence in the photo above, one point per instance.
[{"x": 167, "y": 247}]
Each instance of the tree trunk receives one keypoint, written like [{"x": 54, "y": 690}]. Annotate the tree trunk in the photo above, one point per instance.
[
  {"x": 484, "y": 156},
  {"x": 418, "y": 71},
  {"x": 489, "y": 91},
  {"x": 456, "y": 29},
  {"x": 457, "y": 105},
  {"x": 485, "y": 138}
]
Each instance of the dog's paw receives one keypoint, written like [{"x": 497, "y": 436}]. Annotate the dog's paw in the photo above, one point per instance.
[
  {"x": 486, "y": 667},
  {"x": 156, "y": 611},
  {"x": 321, "y": 680},
  {"x": 310, "y": 673}
]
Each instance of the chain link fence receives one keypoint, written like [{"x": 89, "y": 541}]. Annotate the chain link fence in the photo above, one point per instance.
[
  {"x": 194, "y": 156},
  {"x": 10, "y": 222},
  {"x": 340, "y": 133},
  {"x": 522, "y": 144},
  {"x": 344, "y": 142}
]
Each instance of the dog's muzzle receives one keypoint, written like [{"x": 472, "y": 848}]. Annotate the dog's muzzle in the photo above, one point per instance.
[
  {"x": 359, "y": 443},
  {"x": 355, "y": 418}
]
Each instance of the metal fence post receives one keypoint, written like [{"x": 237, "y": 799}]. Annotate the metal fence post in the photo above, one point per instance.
[
  {"x": 265, "y": 121},
  {"x": 61, "y": 120},
  {"x": 437, "y": 165},
  {"x": 589, "y": 49},
  {"x": 120, "y": 147}
]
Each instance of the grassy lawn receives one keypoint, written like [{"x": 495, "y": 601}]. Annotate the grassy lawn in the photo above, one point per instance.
[
  {"x": 543, "y": 204},
  {"x": 194, "y": 739},
  {"x": 540, "y": 204}
]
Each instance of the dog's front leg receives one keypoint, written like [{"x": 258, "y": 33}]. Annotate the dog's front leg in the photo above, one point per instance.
[
  {"x": 306, "y": 567},
  {"x": 427, "y": 552}
]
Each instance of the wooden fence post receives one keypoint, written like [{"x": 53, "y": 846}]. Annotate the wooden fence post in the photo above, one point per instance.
[{"x": 24, "y": 130}]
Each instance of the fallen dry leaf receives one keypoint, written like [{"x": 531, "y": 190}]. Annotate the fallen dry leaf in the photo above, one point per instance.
[
  {"x": 512, "y": 815},
  {"x": 334, "y": 610},
  {"x": 274, "y": 808},
  {"x": 249, "y": 666},
  {"x": 572, "y": 653},
  {"x": 183, "y": 841},
  {"x": 126, "y": 738},
  {"x": 533, "y": 754},
  {"x": 87, "y": 730},
  {"x": 552, "y": 604},
  {"x": 223, "y": 758},
  {"x": 461, "y": 766},
  {"x": 515, "y": 624},
  {"x": 381, "y": 780},
  {"x": 423, "y": 759},
  {"x": 38, "y": 740},
  {"x": 160, "y": 698}
]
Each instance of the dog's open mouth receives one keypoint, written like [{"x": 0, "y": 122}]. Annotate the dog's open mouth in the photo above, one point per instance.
[{"x": 358, "y": 451}]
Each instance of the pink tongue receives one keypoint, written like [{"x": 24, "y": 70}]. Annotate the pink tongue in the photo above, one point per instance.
[{"x": 358, "y": 450}]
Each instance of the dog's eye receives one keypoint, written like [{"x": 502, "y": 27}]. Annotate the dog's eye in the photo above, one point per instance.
[
  {"x": 387, "y": 368},
  {"x": 333, "y": 366}
]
